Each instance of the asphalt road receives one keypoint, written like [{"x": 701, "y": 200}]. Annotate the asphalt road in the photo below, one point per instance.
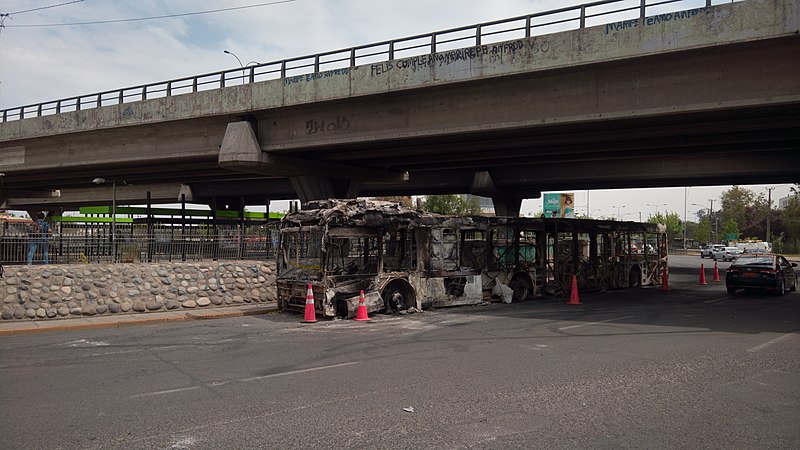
[{"x": 688, "y": 368}]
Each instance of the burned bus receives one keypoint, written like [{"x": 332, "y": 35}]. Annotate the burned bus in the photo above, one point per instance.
[{"x": 404, "y": 258}]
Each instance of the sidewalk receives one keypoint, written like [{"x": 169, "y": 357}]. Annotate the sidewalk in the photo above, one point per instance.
[{"x": 84, "y": 323}]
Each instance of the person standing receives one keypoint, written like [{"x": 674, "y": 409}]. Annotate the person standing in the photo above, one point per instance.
[{"x": 38, "y": 235}]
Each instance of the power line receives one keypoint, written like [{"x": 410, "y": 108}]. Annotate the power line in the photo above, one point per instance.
[
  {"x": 139, "y": 19},
  {"x": 43, "y": 7}
]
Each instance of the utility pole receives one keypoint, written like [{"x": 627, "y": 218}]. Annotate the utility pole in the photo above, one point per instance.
[
  {"x": 711, "y": 217},
  {"x": 769, "y": 210},
  {"x": 685, "y": 199}
]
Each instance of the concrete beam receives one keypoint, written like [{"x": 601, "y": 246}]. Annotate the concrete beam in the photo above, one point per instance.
[
  {"x": 693, "y": 29},
  {"x": 241, "y": 151},
  {"x": 101, "y": 195},
  {"x": 320, "y": 188}
]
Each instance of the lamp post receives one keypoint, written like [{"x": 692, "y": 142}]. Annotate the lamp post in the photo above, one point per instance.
[
  {"x": 243, "y": 66},
  {"x": 618, "y": 208},
  {"x": 113, "y": 216},
  {"x": 237, "y": 59}
]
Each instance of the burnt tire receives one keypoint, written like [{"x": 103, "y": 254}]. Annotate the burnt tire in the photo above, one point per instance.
[
  {"x": 398, "y": 295},
  {"x": 522, "y": 287}
]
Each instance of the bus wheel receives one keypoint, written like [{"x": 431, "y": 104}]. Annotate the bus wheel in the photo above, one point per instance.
[
  {"x": 398, "y": 295},
  {"x": 522, "y": 288}
]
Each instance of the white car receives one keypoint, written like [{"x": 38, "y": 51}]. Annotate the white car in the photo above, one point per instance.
[
  {"x": 708, "y": 252},
  {"x": 726, "y": 254}
]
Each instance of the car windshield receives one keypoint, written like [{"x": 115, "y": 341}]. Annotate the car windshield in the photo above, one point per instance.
[{"x": 754, "y": 261}]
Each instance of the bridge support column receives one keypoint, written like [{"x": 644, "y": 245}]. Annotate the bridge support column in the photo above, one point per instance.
[
  {"x": 506, "y": 202},
  {"x": 507, "y": 206},
  {"x": 318, "y": 188}
]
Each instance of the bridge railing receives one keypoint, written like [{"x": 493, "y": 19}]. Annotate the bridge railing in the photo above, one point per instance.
[{"x": 556, "y": 20}]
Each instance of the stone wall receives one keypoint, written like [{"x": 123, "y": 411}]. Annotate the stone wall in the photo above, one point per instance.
[{"x": 62, "y": 291}]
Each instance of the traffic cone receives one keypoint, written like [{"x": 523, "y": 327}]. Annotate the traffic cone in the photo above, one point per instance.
[
  {"x": 309, "y": 315},
  {"x": 361, "y": 314},
  {"x": 573, "y": 295},
  {"x": 665, "y": 280},
  {"x": 716, "y": 273},
  {"x": 702, "y": 275}
]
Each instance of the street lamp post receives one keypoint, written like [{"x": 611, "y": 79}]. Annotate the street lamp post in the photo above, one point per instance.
[
  {"x": 113, "y": 216},
  {"x": 243, "y": 66},
  {"x": 238, "y": 60},
  {"x": 618, "y": 208}
]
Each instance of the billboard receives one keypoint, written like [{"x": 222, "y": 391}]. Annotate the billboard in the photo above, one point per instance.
[{"x": 559, "y": 205}]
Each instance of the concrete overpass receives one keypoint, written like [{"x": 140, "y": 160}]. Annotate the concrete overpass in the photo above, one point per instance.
[{"x": 699, "y": 97}]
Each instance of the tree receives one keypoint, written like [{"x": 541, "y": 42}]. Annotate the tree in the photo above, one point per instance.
[
  {"x": 790, "y": 217},
  {"x": 672, "y": 221},
  {"x": 730, "y": 227},
  {"x": 703, "y": 232},
  {"x": 452, "y": 204},
  {"x": 748, "y": 210}
]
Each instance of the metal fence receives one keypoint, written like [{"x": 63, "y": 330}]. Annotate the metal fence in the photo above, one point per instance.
[
  {"x": 556, "y": 20},
  {"x": 70, "y": 244}
]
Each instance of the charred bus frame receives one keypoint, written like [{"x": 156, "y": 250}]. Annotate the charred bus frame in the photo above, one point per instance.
[{"x": 404, "y": 258}]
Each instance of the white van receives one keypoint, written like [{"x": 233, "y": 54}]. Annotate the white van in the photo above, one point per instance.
[{"x": 755, "y": 247}]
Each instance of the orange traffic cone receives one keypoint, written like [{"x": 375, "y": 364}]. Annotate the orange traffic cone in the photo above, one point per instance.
[
  {"x": 665, "y": 280},
  {"x": 702, "y": 275},
  {"x": 361, "y": 314},
  {"x": 716, "y": 273},
  {"x": 573, "y": 295},
  {"x": 309, "y": 315}
]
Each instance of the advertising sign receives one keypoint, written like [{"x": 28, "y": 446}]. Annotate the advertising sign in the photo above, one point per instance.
[{"x": 559, "y": 205}]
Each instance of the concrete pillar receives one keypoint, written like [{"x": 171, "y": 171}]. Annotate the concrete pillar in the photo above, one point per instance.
[
  {"x": 319, "y": 188},
  {"x": 507, "y": 206}
]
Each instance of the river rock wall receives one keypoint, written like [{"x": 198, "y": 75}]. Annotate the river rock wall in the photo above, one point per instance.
[{"x": 62, "y": 291}]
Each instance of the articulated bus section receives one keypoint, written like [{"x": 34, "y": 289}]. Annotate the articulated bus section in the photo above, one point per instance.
[{"x": 405, "y": 258}]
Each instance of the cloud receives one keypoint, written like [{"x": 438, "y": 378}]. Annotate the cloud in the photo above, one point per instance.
[{"x": 43, "y": 64}]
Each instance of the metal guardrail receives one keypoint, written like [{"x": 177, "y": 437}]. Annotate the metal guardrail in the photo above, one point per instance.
[{"x": 556, "y": 20}]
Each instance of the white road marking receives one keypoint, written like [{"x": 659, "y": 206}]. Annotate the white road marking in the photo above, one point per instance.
[
  {"x": 185, "y": 443},
  {"x": 594, "y": 323},
  {"x": 84, "y": 343},
  {"x": 717, "y": 299},
  {"x": 241, "y": 380},
  {"x": 768, "y": 343}
]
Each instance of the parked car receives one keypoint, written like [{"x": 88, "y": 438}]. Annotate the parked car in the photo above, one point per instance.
[
  {"x": 726, "y": 254},
  {"x": 708, "y": 251},
  {"x": 761, "y": 271}
]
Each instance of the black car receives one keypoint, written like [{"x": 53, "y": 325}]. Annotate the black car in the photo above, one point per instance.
[{"x": 761, "y": 271}]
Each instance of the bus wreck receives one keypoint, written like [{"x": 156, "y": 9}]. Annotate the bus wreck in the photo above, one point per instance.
[{"x": 404, "y": 258}]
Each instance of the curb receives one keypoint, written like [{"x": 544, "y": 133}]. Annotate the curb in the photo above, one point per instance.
[{"x": 123, "y": 321}]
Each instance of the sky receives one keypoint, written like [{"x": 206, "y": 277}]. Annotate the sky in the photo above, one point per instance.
[{"x": 47, "y": 63}]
